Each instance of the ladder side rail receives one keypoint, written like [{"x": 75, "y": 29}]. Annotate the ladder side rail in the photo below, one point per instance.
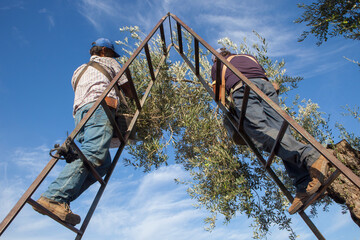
[
  {"x": 249, "y": 142},
  {"x": 28, "y": 193},
  {"x": 322, "y": 150},
  {"x": 118, "y": 153},
  {"x": 311, "y": 225}
]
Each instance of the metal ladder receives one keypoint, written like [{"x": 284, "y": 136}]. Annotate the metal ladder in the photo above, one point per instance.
[{"x": 180, "y": 26}]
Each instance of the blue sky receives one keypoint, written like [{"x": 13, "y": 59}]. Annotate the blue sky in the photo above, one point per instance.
[{"x": 43, "y": 42}]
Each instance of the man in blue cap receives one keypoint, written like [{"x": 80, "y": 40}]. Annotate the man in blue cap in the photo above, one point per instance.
[{"x": 88, "y": 81}]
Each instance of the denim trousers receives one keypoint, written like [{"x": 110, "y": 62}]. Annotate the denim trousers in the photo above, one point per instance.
[
  {"x": 262, "y": 124},
  {"x": 95, "y": 139}
]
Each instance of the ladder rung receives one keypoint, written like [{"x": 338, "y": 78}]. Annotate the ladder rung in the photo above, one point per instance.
[
  {"x": 148, "y": 58},
  {"x": 133, "y": 90},
  {"x": 179, "y": 37},
  {"x": 88, "y": 164},
  {"x": 244, "y": 106},
  {"x": 113, "y": 122},
  {"x": 162, "y": 34},
  {"x": 327, "y": 183},
  {"x": 197, "y": 57},
  {"x": 218, "y": 80},
  {"x": 53, "y": 216},
  {"x": 277, "y": 143}
]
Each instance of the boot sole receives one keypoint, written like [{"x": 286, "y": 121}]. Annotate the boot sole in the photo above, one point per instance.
[{"x": 73, "y": 223}]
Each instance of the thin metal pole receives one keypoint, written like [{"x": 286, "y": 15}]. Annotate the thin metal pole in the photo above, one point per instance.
[
  {"x": 178, "y": 26},
  {"x": 197, "y": 57}
]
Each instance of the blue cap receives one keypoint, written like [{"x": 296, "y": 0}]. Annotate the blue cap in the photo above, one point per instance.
[{"x": 104, "y": 42}]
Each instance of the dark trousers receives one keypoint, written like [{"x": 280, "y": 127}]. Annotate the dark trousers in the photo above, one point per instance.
[{"x": 262, "y": 124}]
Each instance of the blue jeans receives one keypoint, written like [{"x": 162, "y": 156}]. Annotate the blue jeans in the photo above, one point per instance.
[
  {"x": 95, "y": 139},
  {"x": 263, "y": 124}
]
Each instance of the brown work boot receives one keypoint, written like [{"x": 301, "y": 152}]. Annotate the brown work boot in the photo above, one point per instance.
[
  {"x": 317, "y": 172},
  {"x": 299, "y": 200},
  {"x": 62, "y": 210}
]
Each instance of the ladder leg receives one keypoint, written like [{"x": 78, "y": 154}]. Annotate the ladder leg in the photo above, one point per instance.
[{"x": 29, "y": 192}]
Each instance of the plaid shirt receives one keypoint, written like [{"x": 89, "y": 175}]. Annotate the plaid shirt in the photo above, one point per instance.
[{"x": 93, "y": 83}]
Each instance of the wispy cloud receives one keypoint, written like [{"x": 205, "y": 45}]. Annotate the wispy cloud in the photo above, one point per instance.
[
  {"x": 12, "y": 5},
  {"x": 49, "y": 17},
  {"x": 97, "y": 12},
  {"x": 149, "y": 207},
  {"x": 156, "y": 208}
]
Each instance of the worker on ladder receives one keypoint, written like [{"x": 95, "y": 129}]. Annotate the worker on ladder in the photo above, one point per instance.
[
  {"x": 262, "y": 123},
  {"x": 89, "y": 81}
]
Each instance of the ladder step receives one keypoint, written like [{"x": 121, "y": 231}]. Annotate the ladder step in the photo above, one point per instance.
[
  {"x": 133, "y": 90},
  {"x": 244, "y": 106},
  {"x": 322, "y": 189},
  {"x": 88, "y": 164},
  {"x": 113, "y": 122},
  {"x": 53, "y": 216},
  {"x": 148, "y": 58},
  {"x": 277, "y": 143}
]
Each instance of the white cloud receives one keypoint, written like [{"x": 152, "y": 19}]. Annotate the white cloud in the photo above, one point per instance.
[
  {"x": 49, "y": 17},
  {"x": 98, "y": 11},
  {"x": 134, "y": 206},
  {"x": 154, "y": 208},
  {"x": 12, "y": 5}
]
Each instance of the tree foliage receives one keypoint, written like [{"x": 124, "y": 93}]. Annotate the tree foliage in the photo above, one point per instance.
[
  {"x": 329, "y": 18},
  {"x": 225, "y": 179},
  {"x": 351, "y": 138}
]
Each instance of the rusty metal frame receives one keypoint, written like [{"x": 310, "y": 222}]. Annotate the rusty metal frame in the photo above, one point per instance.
[{"x": 249, "y": 86}]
